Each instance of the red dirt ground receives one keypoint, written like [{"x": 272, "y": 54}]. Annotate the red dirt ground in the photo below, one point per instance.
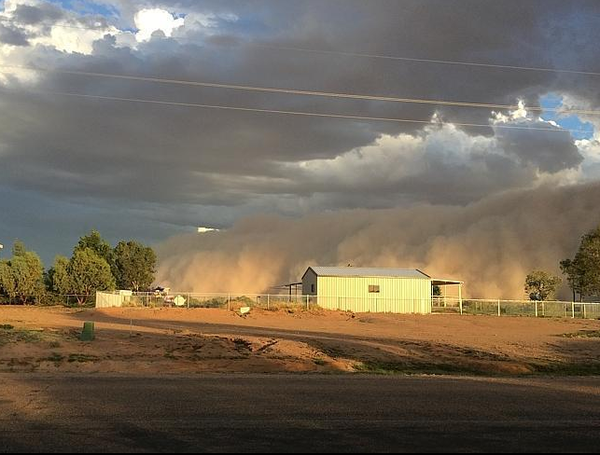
[{"x": 134, "y": 340}]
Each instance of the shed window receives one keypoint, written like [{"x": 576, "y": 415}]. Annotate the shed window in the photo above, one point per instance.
[
  {"x": 373, "y": 288},
  {"x": 312, "y": 288}
]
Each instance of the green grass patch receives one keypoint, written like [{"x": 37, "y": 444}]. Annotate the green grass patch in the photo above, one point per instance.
[
  {"x": 6, "y": 327},
  {"x": 410, "y": 368},
  {"x": 552, "y": 369},
  {"x": 569, "y": 369},
  {"x": 319, "y": 361},
  {"x": 583, "y": 334},
  {"x": 21, "y": 336}
]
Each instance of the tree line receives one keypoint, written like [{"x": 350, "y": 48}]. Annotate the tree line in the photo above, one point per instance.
[
  {"x": 94, "y": 266},
  {"x": 582, "y": 273}
]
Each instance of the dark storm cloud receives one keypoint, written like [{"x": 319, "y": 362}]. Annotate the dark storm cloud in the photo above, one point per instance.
[
  {"x": 35, "y": 14},
  {"x": 228, "y": 164},
  {"x": 549, "y": 153},
  {"x": 13, "y": 36}
]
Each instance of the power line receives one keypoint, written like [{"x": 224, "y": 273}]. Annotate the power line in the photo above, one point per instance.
[
  {"x": 429, "y": 60},
  {"x": 305, "y": 92},
  {"x": 296, "y": 113},
  {"x": 365, "y": 55}
]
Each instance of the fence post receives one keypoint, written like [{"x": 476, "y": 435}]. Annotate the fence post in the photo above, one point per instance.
[
  {"x": 268, "y": 301},
  {"x": 498, "y": 307},
  {"x": 536, "y": 309},
  {"x": 228, "y": 302},
  {"x": 307, "y": 302},
  {"x": 188, "y": 301},
  {"x": 572, "y": 310}
]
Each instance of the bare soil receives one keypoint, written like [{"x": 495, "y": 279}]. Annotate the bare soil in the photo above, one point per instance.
[{"x": 159, "y": 341}]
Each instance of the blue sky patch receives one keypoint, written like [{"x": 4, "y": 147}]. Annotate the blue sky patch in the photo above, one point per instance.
[
  {"x": 87, "y": 7},
  {"x": 572, "y": 122}
]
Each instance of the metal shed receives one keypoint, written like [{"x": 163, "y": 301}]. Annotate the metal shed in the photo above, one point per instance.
[{"x": 369, "y": 289}]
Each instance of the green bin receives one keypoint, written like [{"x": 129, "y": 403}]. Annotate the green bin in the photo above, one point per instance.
[{"x": 88, "y": 332}]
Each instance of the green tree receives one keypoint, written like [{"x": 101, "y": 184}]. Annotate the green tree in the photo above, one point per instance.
[
  {"x": 28, "y": 272},
  {"x": 98, "y": 245},
  {"x": 59, "y": 279},
  {"x": 7, "y": 281},
  {"x": 88, "y": 273},
  {"x": 571, "y": 268},
  {"x": 22, "y": 277},
  {"x": 135, "y": 265},
  {"x": 540, "y": 285},
  {"x": 18, "y": 248},
  {"x": 583, "y": 271}
]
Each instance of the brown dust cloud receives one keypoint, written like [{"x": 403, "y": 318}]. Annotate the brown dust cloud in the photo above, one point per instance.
[{"x": 491, "y": 244}]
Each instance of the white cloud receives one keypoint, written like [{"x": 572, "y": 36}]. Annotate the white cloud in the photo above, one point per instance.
[
  {"x": 389, "y": 158},
  {"x": 208, "y": 20},
  {"x": 518, "y": 114},
  {"x": 590, "y": 148},
  {"x": 439, "y": 160},
  {"x": 11, "y": 5},
  {"x": 73, "y": 40},
  {"x": 149, "y": 21},
  {"x": 70, "y": 34},
  {"x": 204, "y": 20}
]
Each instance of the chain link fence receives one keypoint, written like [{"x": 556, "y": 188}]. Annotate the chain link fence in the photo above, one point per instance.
[
  {"x": 293, "y": 302},
  {"x": 500, "y": 307},
  {"x": 232, "y": 301}
]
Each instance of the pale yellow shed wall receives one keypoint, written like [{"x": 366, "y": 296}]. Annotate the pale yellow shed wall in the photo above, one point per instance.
[{"x": 396, "y": 295}]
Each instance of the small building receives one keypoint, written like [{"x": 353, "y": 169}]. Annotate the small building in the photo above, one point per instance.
[{"x": 371, "y": 289}]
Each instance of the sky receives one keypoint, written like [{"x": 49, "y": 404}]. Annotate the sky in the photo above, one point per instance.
[{"x": 70, "y": 163}]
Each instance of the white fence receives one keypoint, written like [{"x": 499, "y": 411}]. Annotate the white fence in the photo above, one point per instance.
[
  {"x": 113, "y": 299},
  {"x": 503, "y": 307},
  {"x": 232, "y": 301}
]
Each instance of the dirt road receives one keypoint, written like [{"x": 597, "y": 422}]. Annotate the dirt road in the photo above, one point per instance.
[{"x": 297, "y": 413}]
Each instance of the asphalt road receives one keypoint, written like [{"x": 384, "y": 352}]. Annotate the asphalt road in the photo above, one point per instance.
[{"x": 297, "y": 413}]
